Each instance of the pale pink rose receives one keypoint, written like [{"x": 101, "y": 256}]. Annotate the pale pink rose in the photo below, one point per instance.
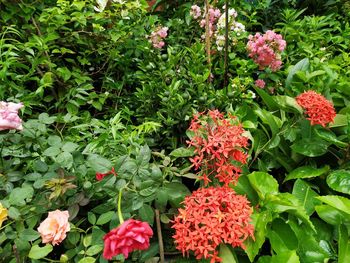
[
  {"x": 9, "y": 116},
  {"x": 54, "y": 228}
]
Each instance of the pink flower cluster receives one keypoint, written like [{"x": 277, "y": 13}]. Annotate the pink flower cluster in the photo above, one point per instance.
[
  {"x": 158, "y": 36},
  {"x": 266, "y": 50},
  {"x": 214, "y": 14},
  {"x": 260, "y": 83},
  {"x": 9, "y": 116}
]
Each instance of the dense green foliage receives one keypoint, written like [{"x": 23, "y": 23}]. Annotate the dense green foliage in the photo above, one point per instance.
[{"x": 98, "y": 95}]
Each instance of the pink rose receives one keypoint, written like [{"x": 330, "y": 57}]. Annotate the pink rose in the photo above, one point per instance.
[
  {"x": 129, "y": 236},
  {"x": 54, "y": 228},
  {"x": 9, "y": 116}
]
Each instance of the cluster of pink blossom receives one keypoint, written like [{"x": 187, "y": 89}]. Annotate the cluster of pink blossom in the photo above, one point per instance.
[
  {"x": 217, "y": 23},
  {"x": 157, "y": 37},
  {"x": 9, "y": 118},
  {"x": 266, "y": 50},
  {"x": 260, "y": 83}
]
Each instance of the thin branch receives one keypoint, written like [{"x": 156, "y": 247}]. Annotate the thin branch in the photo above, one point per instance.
[
  {"x": 226, "y": 46},
  {"x": 207, "y": 35},
  {"x": 160, "y": 238}
]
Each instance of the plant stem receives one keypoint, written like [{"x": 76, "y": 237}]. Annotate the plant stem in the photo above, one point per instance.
[
  {"x": 226, "y": 47},
  {"x": 207, "y": 35},
  {"x": 160, "y": 238},
  {"x": 120, "y": 216}
]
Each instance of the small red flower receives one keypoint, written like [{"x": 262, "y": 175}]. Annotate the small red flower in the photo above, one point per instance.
[
  {"x": 318, "y": 108},
  {"x": 100, "y": 176},
  {"x": 219, "y": 146},
  {"x": 212, "y": 216},
  {"x": 129, "y": 236}
]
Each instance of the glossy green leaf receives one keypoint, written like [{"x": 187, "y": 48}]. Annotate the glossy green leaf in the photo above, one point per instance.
[
  {"x": 37, "y": 252},
  {"x": 286, "y": 202},
  {"x": 226, "y": 254},
  {"x": 310, "y": 147},
  {"x": 260, "y": 222},
  {"x": 288, "y": 104},
  {"x": 307, "y": 172},
  {"x": 330, "y": 137},
  {"x": 338, "y": 202},
  {"x": 339, "y": 121},
  {"x": 343, "y": 244},
  {"x": 19, "y": 196},
  {"x": 339, "y": 181},
  {"x": 263, "y": 183},
  {"x": 268, "y": 99},
  {"x": 93, "y": 250},
  {"x": 281, "y": 236},
  {"x": 332, "y": 215},
  {"x": 306, "y": 196}
]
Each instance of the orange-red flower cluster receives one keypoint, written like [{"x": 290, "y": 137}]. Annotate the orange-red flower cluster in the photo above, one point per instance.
[
  {"x": 220, "y": 146},
  {"x": 212, "y": 216},
  {"x": 318, "y": 108}
]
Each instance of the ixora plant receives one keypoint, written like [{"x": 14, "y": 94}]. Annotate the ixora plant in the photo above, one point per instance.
[{"x": 215, "y": 215}]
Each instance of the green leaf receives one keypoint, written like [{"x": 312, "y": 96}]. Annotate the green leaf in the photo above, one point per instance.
[
  {"x": 105, "y": 218},
  {"x": 37, "y": 252},
  {"x": 269, "y": 119},
  {"x": 330, "y": 137},
  {"x": 260, "y": 222},
  {"x": 286, "y": 202},
  {"x": 93, "y": 250},
  {"x": 98, "y": 163},
  {"x": 307, "y": 172},
  {"x": 147, "y": 214},
  {"x": 306, "y": 196},
  {"x": 176, "y": 193},
  {"x": 29, "y": 235},
  {"x": 87, "y": 260},
  {"x": 332, "y": 215},
  {"x": 268, "y": 99},
  {"x": 343, "y": 244},
  {"x": 152, "y": 251},
  {"x": 244, "y": 187},
  {"x": 339, "y": 181},
  {"x": 69, "y": 147},
  {"x": 288, "y": 104},
  {"x": 338, "y": 202},
  {"x": 144, "y": 156},
  {"x": 263, "y": 183},
  {"x": 226, "y": 254},
  {"x": 302, "y": 65},
  {"x": 311, "y": 147},
  {"x": 19, "y": 196},
  {"x": 91, "y": 218},
  {"x": 65, "y": 159},
  {"x": 52, "y": 151},
  {"x": 182, "y": 152},
  {"x": 339, "y": 121},
  {"x": 282, "y": 237}
]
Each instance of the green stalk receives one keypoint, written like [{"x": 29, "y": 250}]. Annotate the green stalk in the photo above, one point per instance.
[{"x": 120, "y": 216}]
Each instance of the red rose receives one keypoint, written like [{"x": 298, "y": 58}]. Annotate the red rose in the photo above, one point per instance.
[{"x": 129, "y": 236}]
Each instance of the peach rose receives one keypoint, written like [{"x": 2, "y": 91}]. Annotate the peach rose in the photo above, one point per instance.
[{"x": 54, "y": 228}]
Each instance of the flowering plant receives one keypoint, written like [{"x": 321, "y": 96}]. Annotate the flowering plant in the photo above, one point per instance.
[
  {"x": 9, "y": 116},
  {"x": 266, "y": 49},
  {"x": 220, "y": 147},
  {"x": 157, "y": 37}
]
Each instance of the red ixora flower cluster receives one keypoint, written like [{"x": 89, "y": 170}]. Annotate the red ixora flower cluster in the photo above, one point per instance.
[
  {"x": 100, "y": 176},
  {"x": 220, "y": 147},
  {"x": 266, "y": 49},
  {"x": 212, "y": 216},
  {"x": 129, "y": 236},
  {"x": 318, "y": 108}
]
